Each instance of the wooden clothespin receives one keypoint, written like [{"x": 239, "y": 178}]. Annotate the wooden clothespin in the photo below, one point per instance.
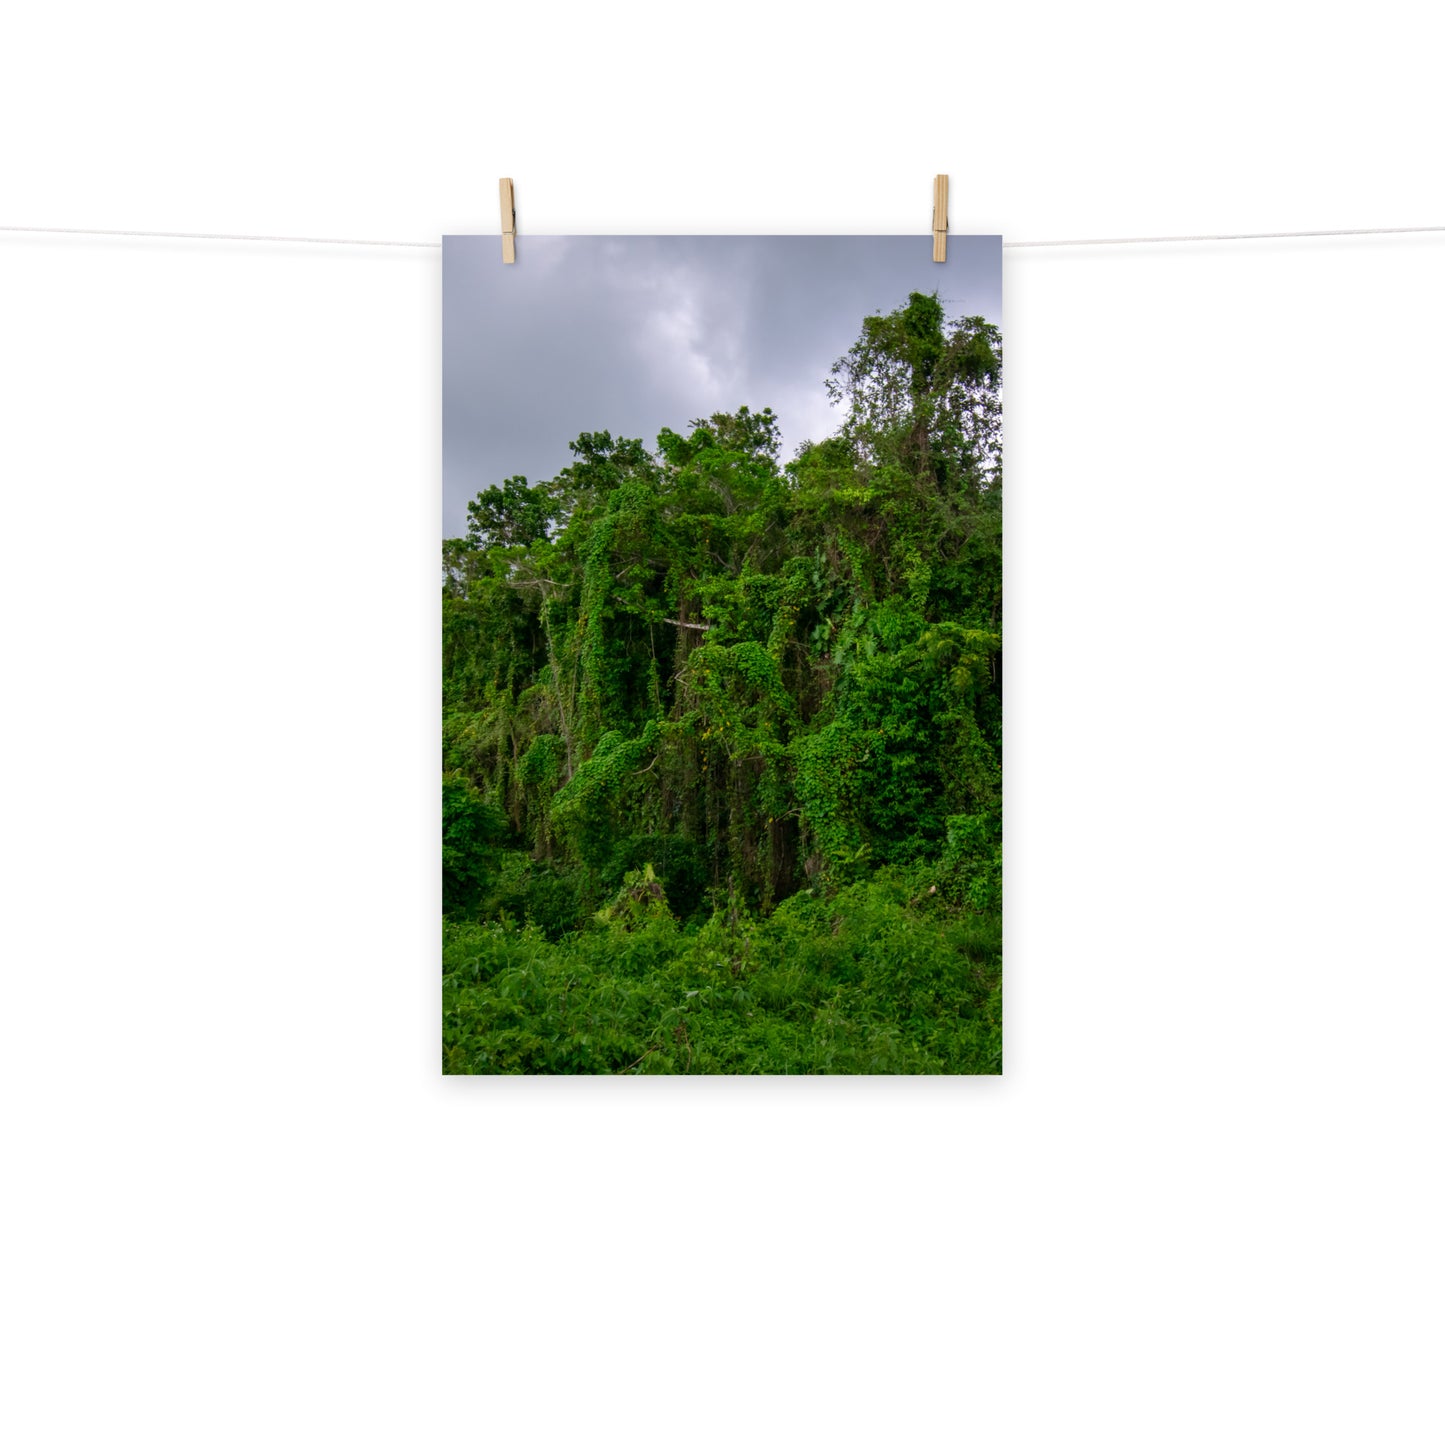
[
  {"x": 509, "y": 221},
  {"x": 940, "y": 218}
]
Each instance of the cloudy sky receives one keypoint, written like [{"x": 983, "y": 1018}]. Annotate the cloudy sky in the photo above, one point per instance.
[{"x": 629, "y": 334}]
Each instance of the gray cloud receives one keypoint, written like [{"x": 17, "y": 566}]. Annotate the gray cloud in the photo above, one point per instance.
[{"x": 629, "y": 334}]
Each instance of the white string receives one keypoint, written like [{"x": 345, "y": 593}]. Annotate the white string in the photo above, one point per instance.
[
  {"x": 436, "y": 245},
  {"x": 1234, "y": 236},
  {"x": 216, "y": 236}
]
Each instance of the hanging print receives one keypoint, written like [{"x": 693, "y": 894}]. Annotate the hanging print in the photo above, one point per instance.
[{"x": 721, "y": 656}]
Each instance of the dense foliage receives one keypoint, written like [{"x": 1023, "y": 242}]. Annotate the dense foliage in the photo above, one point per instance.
[{"x": 722, "y": 738}]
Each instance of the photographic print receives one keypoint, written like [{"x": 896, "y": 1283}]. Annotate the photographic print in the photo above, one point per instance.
[{"x": 722, "y": 628}]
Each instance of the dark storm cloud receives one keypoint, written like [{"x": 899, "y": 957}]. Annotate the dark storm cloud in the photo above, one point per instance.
[{"x": 629, "y": 334}]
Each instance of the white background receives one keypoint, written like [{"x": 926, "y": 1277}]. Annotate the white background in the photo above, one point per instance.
[{"x": 243, "y": 1205}]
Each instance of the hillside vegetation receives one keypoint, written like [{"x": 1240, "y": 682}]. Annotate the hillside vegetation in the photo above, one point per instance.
[{"x": 722, "y": 738}]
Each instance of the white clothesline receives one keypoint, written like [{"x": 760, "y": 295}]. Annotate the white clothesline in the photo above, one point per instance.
[{"x": 436, "y": 245}]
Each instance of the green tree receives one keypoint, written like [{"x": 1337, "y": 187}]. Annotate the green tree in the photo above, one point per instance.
[{"x": 512, "y": 515}]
